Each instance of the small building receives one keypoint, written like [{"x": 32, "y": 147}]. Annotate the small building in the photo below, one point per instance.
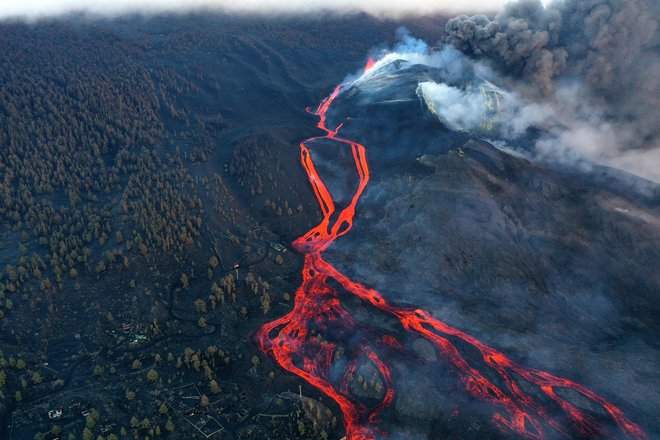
[
  {"x": 107, "y": 428},
  {"x": 279, "y": 247},
  {"x": 55, "y": 414},
  {"x": 137, "y": 339}
]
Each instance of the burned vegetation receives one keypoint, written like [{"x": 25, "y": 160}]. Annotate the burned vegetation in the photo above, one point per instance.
[{"x": 145, "y": 214}]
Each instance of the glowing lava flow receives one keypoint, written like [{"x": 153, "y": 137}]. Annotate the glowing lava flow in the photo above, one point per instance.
[{"x": 310, "y": 340}]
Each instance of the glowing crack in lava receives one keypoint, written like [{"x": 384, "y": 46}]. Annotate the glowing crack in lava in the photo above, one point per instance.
[{"x": 308, "y": 341}]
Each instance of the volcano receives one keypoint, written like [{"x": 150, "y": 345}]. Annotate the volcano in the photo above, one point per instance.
[
  {"x": 209, "y": 230},
  {"x": 423, "y": 183}
]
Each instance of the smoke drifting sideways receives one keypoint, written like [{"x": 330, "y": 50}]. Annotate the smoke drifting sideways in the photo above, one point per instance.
[
  {"x": 573, "y": 124},
  {"x": 591, "y": 65}
]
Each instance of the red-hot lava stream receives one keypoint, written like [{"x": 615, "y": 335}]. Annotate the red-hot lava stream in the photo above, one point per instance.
[{"x": 306, "y": 340}]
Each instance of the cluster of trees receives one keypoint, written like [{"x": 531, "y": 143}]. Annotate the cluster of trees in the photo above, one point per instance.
[
  {"x": 208, "y": 361},
  {"x": 226, "y": 289},
  {"x": 76, "y": 106},
  {"x": 245, "y": 164},
  {"x": 256, "y": 164},
  {"x": 16, "y": 377},
  {"x": 64, "y": 108},
  {"x": 315, "y": 419},
  {"x": 223, "y": 201},
  {"x": 64, "y": 239},
  {"x": 16, "y": 368},
  {"x": 160, "y": 202},
  {"x": 259, "y": 286}
]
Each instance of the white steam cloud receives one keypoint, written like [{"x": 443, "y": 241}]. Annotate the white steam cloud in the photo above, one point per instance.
[
  {"x": 573, "y": 130},
  {"x": 459, "y": 109},
  {"x": 32, "y": 9}
]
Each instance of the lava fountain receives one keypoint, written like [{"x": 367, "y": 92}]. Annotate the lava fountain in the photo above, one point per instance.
[
  {"x": 306, "y": 341},
  {"x": 369, "y": 65}
]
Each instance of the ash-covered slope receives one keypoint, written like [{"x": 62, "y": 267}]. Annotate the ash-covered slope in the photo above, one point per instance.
[{"x": 557, "y": 268}]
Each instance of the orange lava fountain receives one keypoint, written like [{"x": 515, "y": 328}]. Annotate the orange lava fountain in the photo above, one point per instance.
[
  {"x": 369, "y": 65},
  {"x": 297, "y": 341}
]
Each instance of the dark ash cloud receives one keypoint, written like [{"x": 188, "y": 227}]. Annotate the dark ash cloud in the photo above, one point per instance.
[{"x": 611, "y": 47}]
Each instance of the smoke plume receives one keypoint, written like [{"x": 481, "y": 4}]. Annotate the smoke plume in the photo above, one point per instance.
[
  {"x": 570, "y": 125},
  {"x": 609, "y": 47}
]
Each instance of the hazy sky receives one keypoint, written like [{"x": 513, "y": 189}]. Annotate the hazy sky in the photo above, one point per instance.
[{"x": 38, "y": 8}]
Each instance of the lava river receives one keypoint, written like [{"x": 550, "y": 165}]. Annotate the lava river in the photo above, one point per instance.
[{"x": 306, "y": 341}]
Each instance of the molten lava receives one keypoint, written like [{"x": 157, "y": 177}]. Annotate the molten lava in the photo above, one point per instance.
[
  {"x": 369, "y": 65},
  {"x": 316, "y": 340}
]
